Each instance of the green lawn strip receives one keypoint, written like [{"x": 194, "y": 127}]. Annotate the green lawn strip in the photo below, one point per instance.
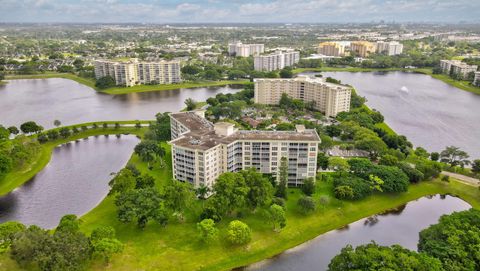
[
  {"x": 385, "y": 127},
  {"x": 147, "y": 88},
  {"x": 125, "y": 90},
  {"x": 18, "y": 177},
  {"x": 85, "y": 81},
  {"x": 461, "y": 84}
]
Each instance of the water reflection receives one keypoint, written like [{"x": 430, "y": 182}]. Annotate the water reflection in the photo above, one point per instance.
[
  {"x": 429, "y": 107},
  {"x": 75, "y": 181},
  {"x": 44, "y": 100},
  {"x": 397, "y": 226}
]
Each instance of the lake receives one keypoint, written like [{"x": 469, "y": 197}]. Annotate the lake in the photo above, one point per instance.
[
  {"x": 431, "y": 113},
  {"x": 45, "y": 100},
  {"x": 400, "y": 226},
  {"x": 74, "y": 181}
]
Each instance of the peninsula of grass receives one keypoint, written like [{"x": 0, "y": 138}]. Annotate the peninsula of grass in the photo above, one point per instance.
[
  {"x": 176, "y": 246},
  {"x": 18, "y": 177},
  {"x": 89, "y": 82}
]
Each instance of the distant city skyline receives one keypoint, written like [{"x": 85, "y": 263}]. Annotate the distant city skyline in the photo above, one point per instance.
[{"x": 237, "y": 11}]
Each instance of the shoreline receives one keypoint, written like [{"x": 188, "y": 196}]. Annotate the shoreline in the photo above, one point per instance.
[
  {"x": 463, "y": 85},
  {"x": 17, "y": 178},
  {"x": 126, "y": 90}
]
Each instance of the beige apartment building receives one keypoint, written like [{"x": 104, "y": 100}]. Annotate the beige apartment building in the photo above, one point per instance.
[
  {"x": 390, "y": 48},
  {"x": 201, "y": 150},
  {"x": 457, "y": 67},
  {"x": 331, "y": 49},
  {"x": 327, "y": 98},
  {"x": 245, "y": 50},
  {"x": 134, "y": 72},
  {"x": 276, "y": 61},
  {"x": 362, "y": 48}
]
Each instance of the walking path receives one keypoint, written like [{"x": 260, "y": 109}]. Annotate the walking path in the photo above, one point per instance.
[{"x": 463, "y": 178}]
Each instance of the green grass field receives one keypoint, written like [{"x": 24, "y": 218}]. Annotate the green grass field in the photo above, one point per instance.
[
  {"x": 125, "y": 90},
  {"x": 176, "y": 246}
]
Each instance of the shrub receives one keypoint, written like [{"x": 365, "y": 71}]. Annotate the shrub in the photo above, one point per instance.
[
  {"x": 306, "y": 205},
  {"x": 239, "y": 233}
]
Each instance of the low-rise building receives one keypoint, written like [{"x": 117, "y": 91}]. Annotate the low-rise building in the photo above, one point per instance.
[
  {"x": 245, "y": 50},
  {"x": 457, "y": 67},
  {"x": 276, "y": 61},
  {"x": 362, "y": 48},
  {"x": 201, "y": 150},
  {"x": 134, "y": 72},
  {"x": 328, "y": 98},
  {"x": 390, "y": 48},
  {"x": 331, "y": 49}
]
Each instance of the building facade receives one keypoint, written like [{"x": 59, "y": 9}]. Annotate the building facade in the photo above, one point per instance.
[
  {"x": 331, "y": 49},
  {"x": 276, "y": 61},
  {"x": 201, "y": 150},
  {"x": 362, "y": 48},
  {"x": 133, "y": 72},
  {"x": 328, "y": 98},
  {"x": 476, "y": 80},
  {"x": 457, "y": 67},
  {"x": 389, "y": 48},
  {"x": 245, "y": 50}
]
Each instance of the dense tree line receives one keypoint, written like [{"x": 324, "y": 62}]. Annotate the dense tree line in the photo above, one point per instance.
[{"x": 66, "y": 248}]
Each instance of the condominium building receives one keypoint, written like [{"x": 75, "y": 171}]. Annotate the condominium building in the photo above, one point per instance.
[
  {"x": 134, "y": 72},
  {"x": 331, "y": 49},
  {"x": 276, "y": 61},
  {"x": 362, "y": 48},
  {"x": 201, "y": 150},
  {"x": 476, "y": 80},
  {"x": 389, "y": 48},
  {"x": 245, "y": 50},
  {"x": 328, "y": 98},
  {"x": 457, "y": 67}
]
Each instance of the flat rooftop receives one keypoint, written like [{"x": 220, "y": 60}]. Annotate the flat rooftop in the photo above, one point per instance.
[
  {"x": 307, "y": 79},
  {"x": 202, "y": 135}
]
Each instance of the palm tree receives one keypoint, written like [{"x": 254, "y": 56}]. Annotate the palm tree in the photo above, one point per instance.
[{"x": 202, "y": 191}]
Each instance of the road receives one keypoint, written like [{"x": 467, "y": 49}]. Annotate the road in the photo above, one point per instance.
[{"x": 463, "y": 178}]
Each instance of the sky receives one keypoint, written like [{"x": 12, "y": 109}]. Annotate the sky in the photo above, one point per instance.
[{"x": 238, "y": 11}]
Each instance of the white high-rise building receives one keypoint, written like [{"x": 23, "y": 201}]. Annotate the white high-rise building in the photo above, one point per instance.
[
  {"x": 276, "y": 61},
  {"x": 202, "y": 151},
  {"x": 245, "y": 50},
  {"x": 133, "y": 72},
  {"x": 457, "y": 67},
  {"x": 389, "y": 48},
  {"x": 328, "y": 98}
]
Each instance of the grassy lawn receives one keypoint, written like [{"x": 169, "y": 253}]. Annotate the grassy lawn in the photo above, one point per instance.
[
  {"x": 18, "y": 177},
  {"x": 125, "y": 90},
  {"x": 85, "y": 81},
  {"x": 465, "y": 85},
  {"x": 176, "y": 246}
]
